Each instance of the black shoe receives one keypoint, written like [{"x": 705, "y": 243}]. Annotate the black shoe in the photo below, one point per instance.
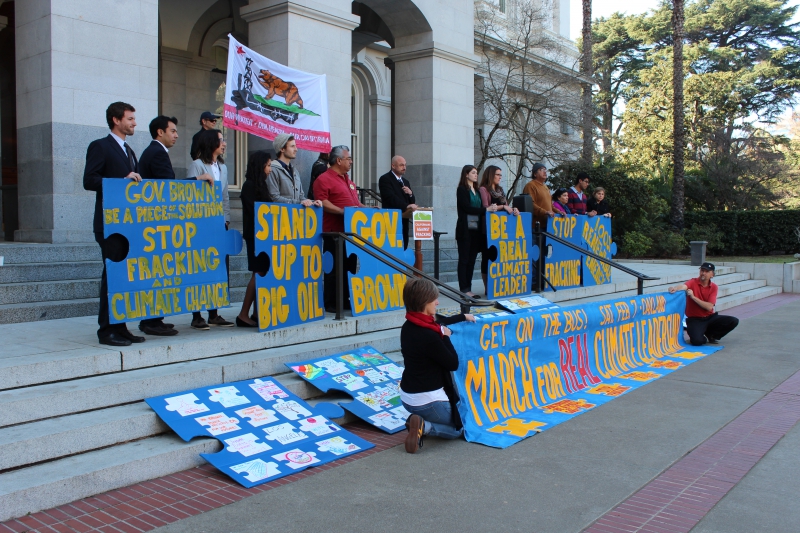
[
  {"x": 158, "y": 330},
  {"x": 199, "y": 323},
  {"x": 126, "y": 334},
  {"x": 711, "y": 340},
  {"x": 219, "y": 321},
  {"x": 169, "y": 326},
  {"x": 242, "y": 324},
  {"x": 114, "y": 339},
  {"x": 415, "y": 425}
]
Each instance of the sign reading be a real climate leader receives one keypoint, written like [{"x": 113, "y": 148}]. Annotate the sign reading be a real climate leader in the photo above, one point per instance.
[{"x": 176, "y": 242}]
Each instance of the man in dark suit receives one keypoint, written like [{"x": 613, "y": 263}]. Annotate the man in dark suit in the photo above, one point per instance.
[
  {"x": 155, "y": 164},
  {"x": 111, "y": 157},
  {"x": 396, "y": 193}
]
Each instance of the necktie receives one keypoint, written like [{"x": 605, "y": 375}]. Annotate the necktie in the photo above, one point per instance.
[{"x": 131, "y": 158}]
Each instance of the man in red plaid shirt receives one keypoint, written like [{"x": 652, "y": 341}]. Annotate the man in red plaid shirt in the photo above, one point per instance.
[{"x": 577, "y": 198}]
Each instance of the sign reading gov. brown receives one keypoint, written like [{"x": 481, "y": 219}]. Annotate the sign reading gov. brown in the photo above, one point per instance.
[{"x": 177, "y": 243}]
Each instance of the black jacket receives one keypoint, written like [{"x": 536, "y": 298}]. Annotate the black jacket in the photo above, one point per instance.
[
  {"x": 104, "y": 159},
  {"x": 155, "y": 163},
  {"x": 251, "y": 193},
  {"x": 393, "y": 197},
  {"x": 429, "y": 358},
  {"x": 464, "y": 208},
  {"x": 601, "y": 207},
  {"x": 319, "y": 166}
]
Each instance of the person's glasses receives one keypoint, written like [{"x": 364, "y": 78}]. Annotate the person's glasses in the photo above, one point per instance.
[{"x": 704, "y": 270}]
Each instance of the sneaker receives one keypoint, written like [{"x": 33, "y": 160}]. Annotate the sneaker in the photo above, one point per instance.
[
  {"x": 219, "y": 321},
  {"x": 711, "y": 340},
  {"x": 415, "y": 425},
  {"x": 199, "y": 323}
]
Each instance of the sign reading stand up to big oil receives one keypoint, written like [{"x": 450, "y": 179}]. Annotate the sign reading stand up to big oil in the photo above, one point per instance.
[
  {"x": 290, "y": 292},
  {"x": 177, "y": 243},
  {"x": 265, "y": 98},
  {"x": 375, "y": 286}
]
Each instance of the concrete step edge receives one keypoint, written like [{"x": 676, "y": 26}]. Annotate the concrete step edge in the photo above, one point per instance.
[{"x": 39, "y": 402}]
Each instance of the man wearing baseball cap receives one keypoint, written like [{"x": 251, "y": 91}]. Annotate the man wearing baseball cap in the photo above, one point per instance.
[
  {"x": 208, "y": 121},
  {"x": 703, "y": 324}
]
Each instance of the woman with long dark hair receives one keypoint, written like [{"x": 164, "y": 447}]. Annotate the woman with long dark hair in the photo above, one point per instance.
[
  {"x": 211, "y": 147},
  {"x": 254, "y": 190},
  {"x": 468, "y": 233},
  {"x": 492, "y": 193}
]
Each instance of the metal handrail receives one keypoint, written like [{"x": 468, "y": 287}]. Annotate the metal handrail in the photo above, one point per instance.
[
  {"x": 463, "y": 300},
  {"x": 641, "y": 278},
  {"x": 362, "y": 192}
]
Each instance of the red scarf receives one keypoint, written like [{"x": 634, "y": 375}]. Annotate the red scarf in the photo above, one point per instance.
[{"x": 424, "y": 321}]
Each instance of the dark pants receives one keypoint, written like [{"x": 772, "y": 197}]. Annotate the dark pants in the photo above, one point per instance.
[
  {"x": 113, "y": 249},
  {"x": 469, "y": 246},
  {"x": 329, "y": 280},
  {"x": 715, "y": 326}
]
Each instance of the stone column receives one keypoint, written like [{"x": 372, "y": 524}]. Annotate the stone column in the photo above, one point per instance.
[
  {"x": 314, "y": 37},
  {"x": 434, "y": 123},
  {"x": 75, "y": 57}
]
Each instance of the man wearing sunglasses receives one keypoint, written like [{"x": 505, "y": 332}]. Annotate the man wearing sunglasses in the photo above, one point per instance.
[
  {"x": 208, "y": 121},
  {"x": 703, "y": 324}
]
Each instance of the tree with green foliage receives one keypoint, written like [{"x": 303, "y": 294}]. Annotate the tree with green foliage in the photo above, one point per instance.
[{"x": 676, "y": 213}]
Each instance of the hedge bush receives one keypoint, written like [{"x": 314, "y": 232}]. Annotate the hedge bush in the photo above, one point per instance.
[{"x": 752, "y": 232}]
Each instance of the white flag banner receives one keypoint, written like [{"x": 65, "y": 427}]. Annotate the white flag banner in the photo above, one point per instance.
[{"x": 266, "y": 99}]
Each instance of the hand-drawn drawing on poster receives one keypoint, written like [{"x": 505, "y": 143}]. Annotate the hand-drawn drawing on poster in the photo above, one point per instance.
[
  {"x": 521, "y": 374},
  {"x": 265, "y": 98},
  {"x": 371, "y": 378},
  {"x": 266, "y": 431},
  {"x": 511, "y": 249},
  {"x": 422, "y": 222},
  {"x": 375, "y": 286},
  {"x": 177, "y": 243},
  {"x": 596, "y": 237},
  {"x": 291, "y": 291}
]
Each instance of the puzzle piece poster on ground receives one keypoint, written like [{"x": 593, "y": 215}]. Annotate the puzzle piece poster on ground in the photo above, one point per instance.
[
  {"x": 176, "y": 241},
  {"x": 371, "y": 378},
  {"x": 510, "y": 249},
  {"x": 563, "y": 265},
  {"x": 374, "y": 286},
  {"x": 266, "y": 431},
  {"x": 596, "y": 237},
  {"x": 290, "y": 293},
  {"x": 522, "y": 374}
]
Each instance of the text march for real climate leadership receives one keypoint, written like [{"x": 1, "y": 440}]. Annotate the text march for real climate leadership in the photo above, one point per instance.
[
  {"x": 176, "y": 242},
  {"x": 524, "y": 373}
]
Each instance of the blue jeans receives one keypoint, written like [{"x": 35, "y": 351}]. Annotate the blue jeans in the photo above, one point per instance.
[{"x": 438, "y": 417}]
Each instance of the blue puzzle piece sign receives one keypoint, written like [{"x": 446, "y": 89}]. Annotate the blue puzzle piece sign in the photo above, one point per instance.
[
  {"x": 596, "y": 237},
  {"x": 563, "y": 266},
  {"x": 371, "y": 378},
  {"x": 267, "y": 432},
  {"x": 510, "y": 247},
  {"x": 291, "y": 291},
  {"x": 177, "y": 243},
  {"x": 376, "y": 287}
]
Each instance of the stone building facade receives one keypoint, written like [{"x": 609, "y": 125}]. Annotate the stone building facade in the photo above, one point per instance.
[{"x": 401, "y": 78}]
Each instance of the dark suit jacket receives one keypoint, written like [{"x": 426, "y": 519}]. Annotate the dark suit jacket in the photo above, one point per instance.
[
  {"x": 155, "y": 163},
  {"x": 104, "y": 159},
  {"x": 195, "y": 145},
  {"x": 393, "y": 197}
]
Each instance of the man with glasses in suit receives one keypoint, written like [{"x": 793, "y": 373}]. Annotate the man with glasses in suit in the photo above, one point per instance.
[{"x": 111, "y": 157}]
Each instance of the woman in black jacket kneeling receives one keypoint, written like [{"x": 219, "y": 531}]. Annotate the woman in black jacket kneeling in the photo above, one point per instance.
[{"x": 426, "y": 388}]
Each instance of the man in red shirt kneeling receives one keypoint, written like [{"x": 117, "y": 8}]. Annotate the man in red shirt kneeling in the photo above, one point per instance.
[{"x": 703, "y": 324}]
